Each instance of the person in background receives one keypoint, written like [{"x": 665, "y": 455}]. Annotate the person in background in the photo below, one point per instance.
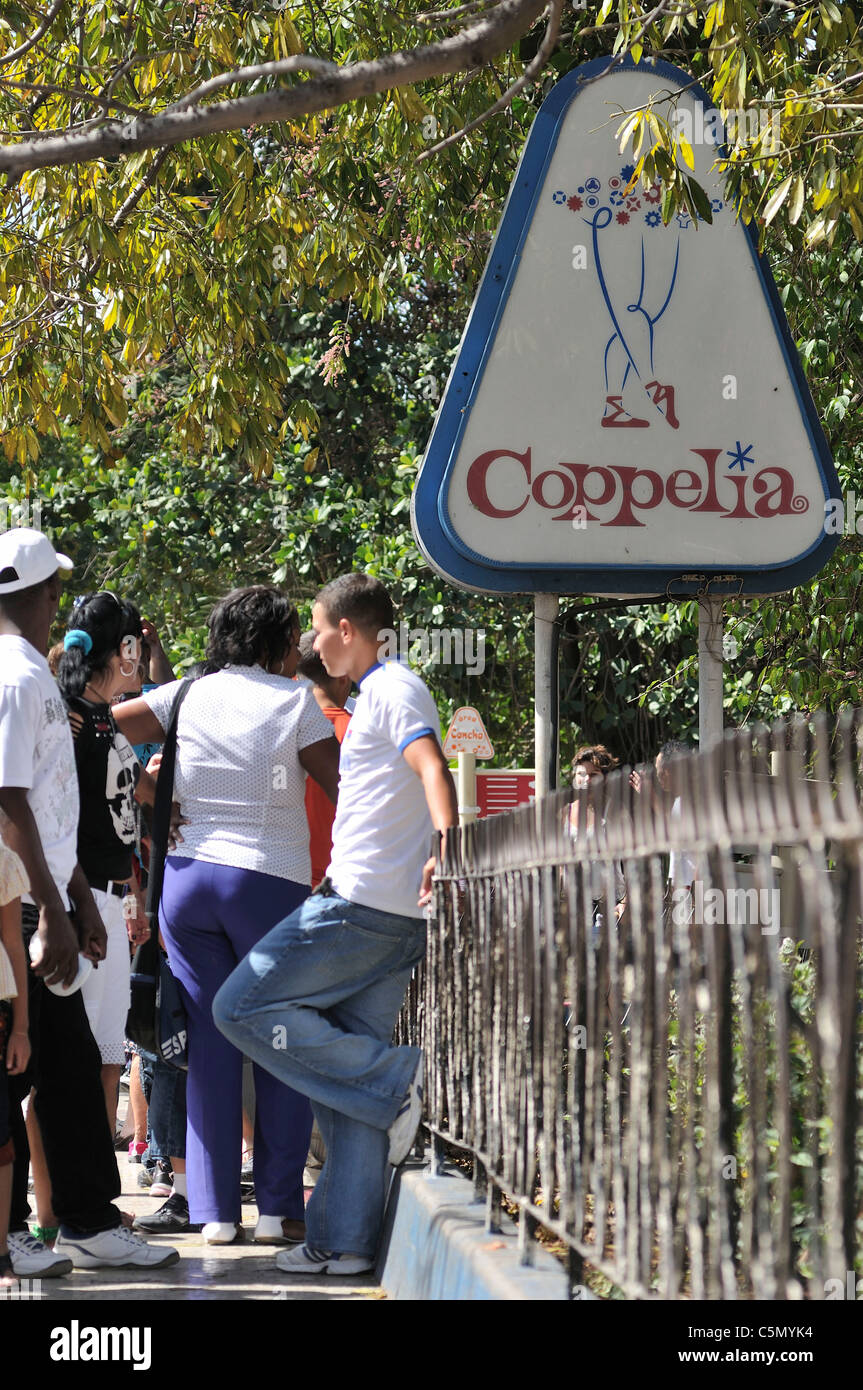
[
  {"x": 39, "y": 802},
  {"x": 100, "y": 662},
  {"x": 681, "y": 864},
  {"x": 246, "y": 738},
  {"x": 155, "y": 669},
  {"x": 330, "y": 693},
  {"x": 591, "y": 765}
]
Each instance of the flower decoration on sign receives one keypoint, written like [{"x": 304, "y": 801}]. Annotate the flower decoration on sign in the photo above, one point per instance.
[
  {"x": 615, "y": 199},
  {"x": 653, "y": 193},
  {"x": 717, "y": 204},
  {"x": 622, "y": 218},
  {"x": 652, "y": 219},
  {"x": 558, "y": 197},
  {"x": 684, "y": 220},
  {"x": 575, "y": 203},
  {"x": 627, "y": 172}
]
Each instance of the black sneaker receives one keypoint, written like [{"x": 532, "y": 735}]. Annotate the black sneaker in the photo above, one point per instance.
[
  {"x": 147, "y": 1175},
  {"x": 173, "y": 1215}
]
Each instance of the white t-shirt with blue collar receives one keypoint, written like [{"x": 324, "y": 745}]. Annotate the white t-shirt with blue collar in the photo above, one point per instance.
[{"x": 382, "y": 831}]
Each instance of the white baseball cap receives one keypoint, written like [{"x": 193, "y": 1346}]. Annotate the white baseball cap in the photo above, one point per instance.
[{"x": 27, "y": 557}]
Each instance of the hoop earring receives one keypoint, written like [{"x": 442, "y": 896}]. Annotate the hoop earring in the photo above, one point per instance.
[
  {"x": 281, "y": 670},
  {"x": 133, "y": 666}
]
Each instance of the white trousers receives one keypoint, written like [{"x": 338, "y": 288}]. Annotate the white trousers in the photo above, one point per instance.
[{"x": 106, "y": 992}]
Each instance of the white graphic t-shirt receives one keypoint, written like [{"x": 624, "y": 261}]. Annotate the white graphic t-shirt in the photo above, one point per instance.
[
  {"x": 382, "y": 831},
  {"x": 36, "y": 753}
]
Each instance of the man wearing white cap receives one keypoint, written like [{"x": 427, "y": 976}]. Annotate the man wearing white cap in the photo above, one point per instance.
[{"x": 39, "y": 820}]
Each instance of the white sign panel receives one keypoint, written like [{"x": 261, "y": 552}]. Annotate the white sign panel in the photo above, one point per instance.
[
  {"x": 627, "y": 412},
  {"x": 467, "y": 734}
]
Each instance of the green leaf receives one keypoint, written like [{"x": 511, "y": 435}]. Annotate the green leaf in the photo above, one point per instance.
[
  {"x": 700, "y": 200},
  {"x": 776, "y": 200}
]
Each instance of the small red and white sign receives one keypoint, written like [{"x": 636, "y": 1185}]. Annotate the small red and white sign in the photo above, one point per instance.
[
  {"x": 467, "y": 734},
  {"x": 504, "y": 791}
]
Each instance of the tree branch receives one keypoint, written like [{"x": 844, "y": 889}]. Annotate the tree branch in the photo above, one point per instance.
[
  {"x": 472, "y": 47},
  {"x": 43, "y": 29},
  {"x": 534, "y": 67},
  {"x": 137, "y": 193}
]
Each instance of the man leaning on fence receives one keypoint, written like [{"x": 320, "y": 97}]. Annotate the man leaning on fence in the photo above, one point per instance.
[{"x": 316, "y": 1000}]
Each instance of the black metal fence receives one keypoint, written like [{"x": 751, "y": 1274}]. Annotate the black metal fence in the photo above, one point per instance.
[{"x": 641, "y": 1008}]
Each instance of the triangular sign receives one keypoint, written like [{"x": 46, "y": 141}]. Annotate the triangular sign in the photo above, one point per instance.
[
  {"x": 627, "y": 412},
  {"x": 467, "y": 734}
]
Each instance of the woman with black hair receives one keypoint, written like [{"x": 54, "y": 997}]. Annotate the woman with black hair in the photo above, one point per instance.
[
  {"x": 247, "y": 736},
  {"x": 101, "y": 651}
]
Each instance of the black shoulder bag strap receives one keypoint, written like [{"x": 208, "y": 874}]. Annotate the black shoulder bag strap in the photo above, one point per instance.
[{"x": 162, "y": 811}]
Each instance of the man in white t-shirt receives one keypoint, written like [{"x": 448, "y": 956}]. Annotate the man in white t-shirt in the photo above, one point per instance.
[
  {"x": 316, "y": 1000},
  {"x": 39, "y": 809}
]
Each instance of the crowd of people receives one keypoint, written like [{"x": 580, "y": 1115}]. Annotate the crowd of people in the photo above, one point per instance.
[{"x": 296, "y": 873}]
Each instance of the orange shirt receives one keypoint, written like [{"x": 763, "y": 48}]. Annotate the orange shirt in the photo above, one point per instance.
[{"x": 320, "y": 811}]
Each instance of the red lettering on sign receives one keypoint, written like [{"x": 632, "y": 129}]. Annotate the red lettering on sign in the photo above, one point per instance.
[
  {"x": 788, "y": 504},
  {"x": 567, "y": 489},
  {"x": 740, "y": 509},
  {"x": 477, "y": 488},
  {"x": 627, "y": 476},
  {"x": 631, "y": 490},
  {"x": 675, "y": 489},
  {"x": 711, "y": 502},
  {"x": 579, "y": 509}
]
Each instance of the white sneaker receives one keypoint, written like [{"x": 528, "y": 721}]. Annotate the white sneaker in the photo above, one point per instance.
[
  {"x": 304, "y": 1260},
  {"x": 30, "y": 1256},
  {"x": 222, "y": 1233},
  {"x": 279, "y": 1230},
  {"x": 118, "y": 1248},
  {"x": 403, "y": 1130}
]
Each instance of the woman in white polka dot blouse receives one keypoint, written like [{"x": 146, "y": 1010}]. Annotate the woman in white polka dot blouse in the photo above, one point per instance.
[{"x": 247, "y": 736}]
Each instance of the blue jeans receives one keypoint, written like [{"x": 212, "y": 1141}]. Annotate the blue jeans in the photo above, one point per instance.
[
  {"x": 166, "y": 1115},
  {"x": 314, "y": 1002}
]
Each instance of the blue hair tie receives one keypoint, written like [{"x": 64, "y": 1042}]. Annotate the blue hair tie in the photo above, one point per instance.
[{"x": 78, "y": 638}]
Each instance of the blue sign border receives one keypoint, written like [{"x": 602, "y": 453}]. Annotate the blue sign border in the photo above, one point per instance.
[{"x": 454, "y": 560}]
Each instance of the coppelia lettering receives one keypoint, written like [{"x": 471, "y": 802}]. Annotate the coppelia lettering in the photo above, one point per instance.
[{"x": 581, "y": 489}]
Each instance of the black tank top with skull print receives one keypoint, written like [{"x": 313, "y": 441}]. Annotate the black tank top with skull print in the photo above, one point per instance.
[{"x": 107, "y": 774}]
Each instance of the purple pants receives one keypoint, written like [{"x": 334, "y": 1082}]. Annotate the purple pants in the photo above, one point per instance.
[{"x": 211, "y": 916}]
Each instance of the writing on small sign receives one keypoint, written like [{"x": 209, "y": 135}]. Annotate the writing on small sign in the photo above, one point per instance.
[{"x": 467, "y": 734}]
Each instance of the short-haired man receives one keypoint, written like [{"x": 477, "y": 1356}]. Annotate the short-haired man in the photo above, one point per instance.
[
  {"x": 315, "y": 1002},
  {"x": 39, "y": 805}
]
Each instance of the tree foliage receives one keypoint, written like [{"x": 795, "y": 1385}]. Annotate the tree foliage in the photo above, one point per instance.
[{"x": 115, "y": 265}]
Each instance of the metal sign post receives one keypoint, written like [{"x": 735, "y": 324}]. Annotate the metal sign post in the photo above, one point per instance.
[
  {"x": 546, "y": 692},
  {"x": 710, "y": 717}
]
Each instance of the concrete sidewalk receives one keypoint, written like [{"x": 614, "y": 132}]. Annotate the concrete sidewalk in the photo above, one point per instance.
[{"x": 245, "y": 1271}]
